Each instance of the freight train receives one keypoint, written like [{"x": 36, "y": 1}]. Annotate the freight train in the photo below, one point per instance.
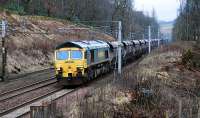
[{"x": 77, "y": 62}]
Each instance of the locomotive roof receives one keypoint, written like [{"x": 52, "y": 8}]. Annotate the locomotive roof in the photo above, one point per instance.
[{"x": 89, "y": 44}]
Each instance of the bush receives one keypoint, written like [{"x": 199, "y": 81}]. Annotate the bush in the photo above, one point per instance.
[
  {"x": 196, "y": 60},
  {"x": 191, "y": 59},
  {"x": 187, "y": 58}
]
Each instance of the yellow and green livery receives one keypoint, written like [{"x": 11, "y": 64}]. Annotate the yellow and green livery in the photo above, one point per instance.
[{"x": 77, "y": 62}]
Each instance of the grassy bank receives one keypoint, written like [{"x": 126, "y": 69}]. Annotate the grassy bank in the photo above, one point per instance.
[{"x": 158, "y": 86}]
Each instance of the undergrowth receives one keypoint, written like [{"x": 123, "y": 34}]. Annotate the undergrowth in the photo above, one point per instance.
[{"x": 191, "y": 59}]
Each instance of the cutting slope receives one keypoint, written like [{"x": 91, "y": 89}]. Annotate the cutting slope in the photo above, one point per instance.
[{"x": 32, "y": 39}]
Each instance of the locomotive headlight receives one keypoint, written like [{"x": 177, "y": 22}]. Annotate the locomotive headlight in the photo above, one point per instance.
[
  {"x": 59, "y": 69},
  {"x": 79, "y": 66},
  {"x": 79, "y": 69}
]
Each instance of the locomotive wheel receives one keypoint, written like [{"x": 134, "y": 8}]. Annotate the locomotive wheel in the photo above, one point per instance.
[
  {"x": 85, "y": 79},
  {"x": 95, "y": 74},
  {"x": 90, "y": 74},
  {"x": 108, "y": 68}
]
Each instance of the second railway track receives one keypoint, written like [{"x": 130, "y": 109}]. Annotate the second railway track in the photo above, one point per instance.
[
  {"x": 25, "y": 95},
  {"x": 17, "y": 98},
  {"x": 25, "y": 89}
]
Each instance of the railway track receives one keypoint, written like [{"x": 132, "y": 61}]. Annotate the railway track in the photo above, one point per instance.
[
  {"x": 24, "y": 87},
  {"x": 17, "y": 98},
  {"x": 19, "y": 76},
  {"x": 70, "y": 91},
  {"x": 12, "y": 94}
]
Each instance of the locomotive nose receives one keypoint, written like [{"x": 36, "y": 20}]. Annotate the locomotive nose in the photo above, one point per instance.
[
  {"x": 69, "y": 67},
  {"x": 72, "y": 70}
]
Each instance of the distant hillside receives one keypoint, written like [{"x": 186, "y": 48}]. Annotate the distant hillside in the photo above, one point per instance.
[
  {"x": 166, "y": 22},
  {"x": 166, "y": 25},
  {"x": 166, "y": 29}
]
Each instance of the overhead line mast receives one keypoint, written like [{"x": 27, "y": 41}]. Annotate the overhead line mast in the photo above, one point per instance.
[
  {"x": 3, "y": 34},
  {"x": 149, "y": 39},
  {"x": 119, "y": 48}
]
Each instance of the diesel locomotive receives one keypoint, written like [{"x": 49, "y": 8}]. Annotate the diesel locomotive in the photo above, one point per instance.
[{"x": 77, "y": 62}]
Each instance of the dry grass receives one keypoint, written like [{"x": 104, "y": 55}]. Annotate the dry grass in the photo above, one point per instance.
[{"x": 157, "y": 86}]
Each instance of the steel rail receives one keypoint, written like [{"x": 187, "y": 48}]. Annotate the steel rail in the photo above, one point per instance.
[
  {"x": 26, "y": 91},
  {"x": 23, "y": 75},
  {"x": 28, "y": 102},
  {"x": 27, "y": 86}
]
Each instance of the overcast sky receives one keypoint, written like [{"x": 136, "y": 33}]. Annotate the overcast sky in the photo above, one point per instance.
[{"x": 166, "y": 10}]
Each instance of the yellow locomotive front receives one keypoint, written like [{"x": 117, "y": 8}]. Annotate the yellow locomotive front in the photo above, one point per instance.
[
  {"x": 77, "y": 62},
  {"x": 70, "y": 65}
]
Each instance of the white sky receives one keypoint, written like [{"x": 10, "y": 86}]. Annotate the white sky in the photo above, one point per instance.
[{"x": 166, "y": 10}]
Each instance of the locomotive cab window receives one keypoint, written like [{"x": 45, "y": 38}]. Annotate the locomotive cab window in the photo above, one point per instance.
[
  {"x": 85, "y": 55},
  {"x": 62, "y": 55},
  {"x": 92, "y": 55},
  {"x": 76, "y": 54},
  {"x": 106, "y": 54}
]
